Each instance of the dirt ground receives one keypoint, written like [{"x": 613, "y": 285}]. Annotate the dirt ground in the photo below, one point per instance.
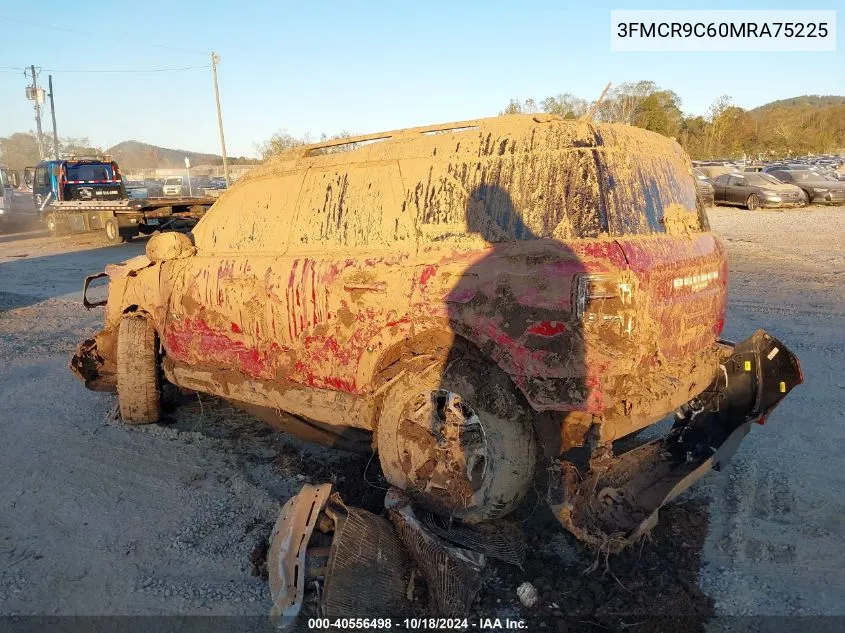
[{"x": 102, "y": 519}]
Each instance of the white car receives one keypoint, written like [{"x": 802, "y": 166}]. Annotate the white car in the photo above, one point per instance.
[{"x": 174, "y": 186}]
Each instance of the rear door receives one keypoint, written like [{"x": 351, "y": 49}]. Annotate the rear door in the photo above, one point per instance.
[
  {"x": 737, "y": 190},
  {"x": 720, "y": 188}
]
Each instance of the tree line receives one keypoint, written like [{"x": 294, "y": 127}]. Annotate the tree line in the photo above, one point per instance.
[{"x": 803, "y": 125}]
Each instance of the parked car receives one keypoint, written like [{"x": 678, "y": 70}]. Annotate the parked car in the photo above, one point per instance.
[
  {"x": 174, "y": 186},
  {"x": 136, "y": 189},
  {"x": 818, "y": 187},
  {"x": 756, "y": 190},
  {"x": 466, "y": 298},
  {"x": 705, "y": 187},
  {"x": 155, "y": 188},
  {"x": 791, "y": 166}
]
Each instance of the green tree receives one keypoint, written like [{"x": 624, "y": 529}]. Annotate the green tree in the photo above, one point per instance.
[
  {"x": 660, "y": 112},
  {"x": 19, "y": 150},
  {"x": 566, "y": 105}
]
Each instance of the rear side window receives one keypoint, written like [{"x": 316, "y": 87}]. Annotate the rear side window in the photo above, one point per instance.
[
  {"x": 584, "y": 186},
  {"x": 89, "y": 171}
]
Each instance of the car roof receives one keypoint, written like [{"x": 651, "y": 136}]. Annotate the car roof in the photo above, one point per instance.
[{"x": 473, "y": 137}]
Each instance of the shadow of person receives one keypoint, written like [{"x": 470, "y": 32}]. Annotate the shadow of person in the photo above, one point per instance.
[{"x": 515, "y": 368}]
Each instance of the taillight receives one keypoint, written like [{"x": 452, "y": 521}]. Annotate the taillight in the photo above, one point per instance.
[
  {"x": 592, "y": 290},
  {"x": 603, "y": 304}
]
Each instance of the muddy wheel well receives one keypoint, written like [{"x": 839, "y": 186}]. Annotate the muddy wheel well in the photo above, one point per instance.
[{"x": 421, "y": 349}]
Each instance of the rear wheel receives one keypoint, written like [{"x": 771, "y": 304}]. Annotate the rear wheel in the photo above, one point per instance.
[
  {"x": 460, "y": 441},
  {"x": 113, "y": 235},
  {"x": 138, "y": 381},
  {"x": 753, "y": 202}
]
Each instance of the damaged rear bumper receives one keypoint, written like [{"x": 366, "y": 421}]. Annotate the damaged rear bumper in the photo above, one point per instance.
[{"x": 618, "y": 499}]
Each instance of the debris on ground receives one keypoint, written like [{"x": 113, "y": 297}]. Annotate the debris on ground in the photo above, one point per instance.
[{"x": 527, "y": 594}]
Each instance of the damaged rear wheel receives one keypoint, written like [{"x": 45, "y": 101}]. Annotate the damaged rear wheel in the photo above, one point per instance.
[
  {"x": 459, "y": 440},
  {"x": 138, "y": 380}
]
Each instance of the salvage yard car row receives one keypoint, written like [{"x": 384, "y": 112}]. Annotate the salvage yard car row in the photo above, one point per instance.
[{"x": 774, "y": 185}]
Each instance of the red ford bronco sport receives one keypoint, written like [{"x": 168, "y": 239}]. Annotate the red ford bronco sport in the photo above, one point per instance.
[{"x": 477, "y": 298}]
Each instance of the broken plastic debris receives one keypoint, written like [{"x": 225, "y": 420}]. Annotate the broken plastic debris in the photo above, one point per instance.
[{"x": 527, "y": 594}]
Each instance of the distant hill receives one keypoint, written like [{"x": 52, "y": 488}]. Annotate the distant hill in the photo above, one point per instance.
[
  {"x": 133, "y": 154},
  {"x": 137, "y": 155},
  {"x": 803, "y": 102}
]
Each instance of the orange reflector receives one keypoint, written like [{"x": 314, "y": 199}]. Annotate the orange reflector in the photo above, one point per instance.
[
  {"x": 748, "y": 365},
  {"x": 783, "y": 387}
]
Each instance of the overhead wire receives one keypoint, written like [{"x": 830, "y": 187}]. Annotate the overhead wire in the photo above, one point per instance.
[
  {"x": 105, "y": 70},
  {"x": 100, "y": 36}
]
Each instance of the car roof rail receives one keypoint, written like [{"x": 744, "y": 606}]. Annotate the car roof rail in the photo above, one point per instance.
[
  {"x": 105, "y": 158},
  {"x": 350, "y": 143}
]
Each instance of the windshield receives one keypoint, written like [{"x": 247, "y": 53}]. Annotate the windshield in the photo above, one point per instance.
[
  {"x": 89, "y": 171},
  {"x": 173, "y": 181},
  {"x": 761, "y": 179}
]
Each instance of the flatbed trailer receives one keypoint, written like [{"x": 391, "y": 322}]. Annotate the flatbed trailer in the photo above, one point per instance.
[{"x": 122, "y": 220}]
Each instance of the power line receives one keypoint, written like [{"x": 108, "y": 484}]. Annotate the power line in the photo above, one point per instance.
[
  {"x": 99, "y": 36},
  {"x": 150, "y": 70},
  {"x": 108, "y": 70}
]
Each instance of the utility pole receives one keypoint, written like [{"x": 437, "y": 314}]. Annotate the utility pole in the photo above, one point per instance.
[
  {"x": 36, "y": 95},
  {"x": 53, "y": 113},
  {"x": 215, "y": 59}
]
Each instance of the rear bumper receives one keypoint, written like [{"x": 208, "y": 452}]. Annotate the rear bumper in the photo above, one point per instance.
[{"x": 618, "y": 500}]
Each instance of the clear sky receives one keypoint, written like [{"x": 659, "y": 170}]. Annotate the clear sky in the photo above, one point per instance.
[{"x": 356, "y": 66}]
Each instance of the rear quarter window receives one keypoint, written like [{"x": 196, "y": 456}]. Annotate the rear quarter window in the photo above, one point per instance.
[{"x": 646, "y": 176}]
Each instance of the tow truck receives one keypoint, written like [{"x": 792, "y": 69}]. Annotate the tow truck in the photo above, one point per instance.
[{"x": 77, "y": 194}]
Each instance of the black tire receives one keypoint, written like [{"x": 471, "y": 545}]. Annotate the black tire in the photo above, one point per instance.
[
  {"x": 51, "y": 224},
  {"x": 138, "y": 378},
  {"x": 112, "y": 232},
  {"x": 752, "y": 203},
  {"x": 460, "y": 442}
]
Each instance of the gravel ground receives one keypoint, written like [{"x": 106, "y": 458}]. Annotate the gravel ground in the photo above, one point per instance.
[
  {"x": 103, "y": 519},
  {"x": 776, "y": 528}
]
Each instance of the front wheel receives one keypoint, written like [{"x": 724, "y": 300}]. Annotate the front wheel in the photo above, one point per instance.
[
  {"x": 459, "y": 439},
  {"x": 51, "y": 224},
  {"x": 753, "y": 202},
  {"x": 138, "y": 378}
]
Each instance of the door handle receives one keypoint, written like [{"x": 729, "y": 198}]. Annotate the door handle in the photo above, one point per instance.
[{"x": 378, "y": 286}]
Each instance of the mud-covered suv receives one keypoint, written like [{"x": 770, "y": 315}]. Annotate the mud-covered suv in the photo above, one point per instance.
[{"x": 475, "y": 299}]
